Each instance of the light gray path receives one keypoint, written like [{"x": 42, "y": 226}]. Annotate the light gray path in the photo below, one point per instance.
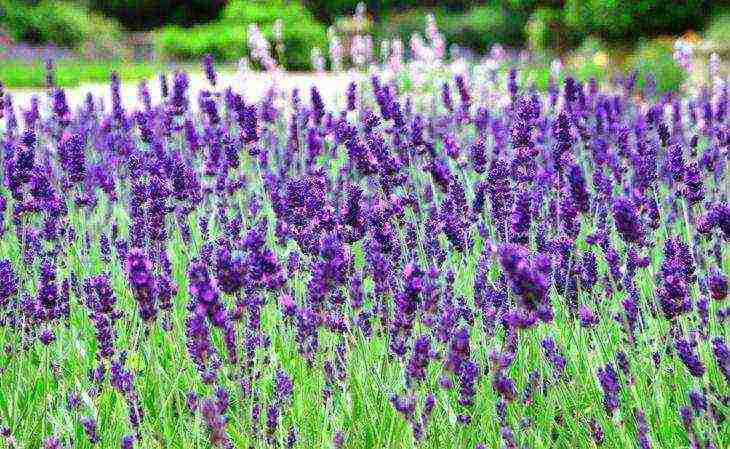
[{"x": 252, "y": 85}]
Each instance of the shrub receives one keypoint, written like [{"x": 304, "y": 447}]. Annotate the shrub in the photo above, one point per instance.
[
  {"x": 61, "y": 23},
  {"x": 544, "y": 29},
  {"x": 227, "y": 40},
  {"x": 476, "y": 29},
  {"x": 655, "y": 58},
  {"x": 483, "y": 26},
  {"x": 328, "y": 10},
  {"x": 719, "y": 29},
  {"x": 266, "y": 12},
  {"x": 616, "y": 20},
  {"x": 148, "y": 14},
  {"x": 299, "y": 40}
]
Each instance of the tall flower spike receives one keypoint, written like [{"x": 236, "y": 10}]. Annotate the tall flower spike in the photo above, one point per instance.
[{"x": 141, "y": 278}]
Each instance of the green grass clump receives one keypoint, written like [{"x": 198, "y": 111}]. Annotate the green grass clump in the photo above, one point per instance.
[
  {"x": 654, "y": 58},
  {"x": 72, "y": 72},
  {"x": 718, "y": 30}
]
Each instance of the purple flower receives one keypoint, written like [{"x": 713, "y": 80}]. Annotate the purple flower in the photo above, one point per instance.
[
  {"x": 589, "y": 270},
  {"x": 556, "y": 359},
  {"x": 89, "y": 426},
  {"x": 479, "y": 155},
  {"x": 693, "y": 189},
  {"x": 687, "y": 355},
  {"x": 642, "y": 430},
  {"x": 611, "y": 388},
  {"x": 698, "y": 400},
  {"x": 578, "y": 190},
  {"x": 588, "y": 318},
  {"x": 52, "y": 442},
  {"x": 627, "y": 221},
  {"x": 422, "y": 354},
  {"x": 722, "y": 356},
  {"x": 717, "y": 283},
  {"x": 127, "y": 442},
  {"x": 71, "y": 151},
  {"x": 139, "y": 274},
  {"x": 527, "y": 282},
  {"x": 206, "y": 304},
  {"x": 216, "y": 423},
  {"x": 8, "y": 282},
  {"x": 209, "y": 69}
]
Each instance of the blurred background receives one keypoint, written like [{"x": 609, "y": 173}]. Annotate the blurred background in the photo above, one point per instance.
[{"x": 89, "y": 38}]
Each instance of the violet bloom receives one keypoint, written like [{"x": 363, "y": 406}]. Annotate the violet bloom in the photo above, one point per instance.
[
  {"x": 521, "y": 218},
  {"x": 71, "y": 151},
  {"x": 563, "y": 139},
  {"x": 717, "y": 283},
  {"x": 689, "y": 357},
  {"x": 422, "y": 354},
  {"x": 351, "y": 96},
  {"x": 89, "y": 426},
  {"x": 207, "y": 304},
  {"x": 553, "y": 355},
  {"x": 528, "y": 283},
  {"x": 179, "y": 99},
  {"x": 8, "y": 282},
  {"x": 611, "y": 388},
  {"x": 215, "y": 422},
  {"x": 479, "y": 155},
  {"x": 627, "y": 221},
  {"x": 642, "y": 430},
  {"x": 722, "y": 356},
  {"x": 693, "y": 189},
  {"x": 52, "y": 442},
  {"x": 578, "y": 190},
  {"x": 676, "y": 275},
  {"x": 589, "y": 270},
  {"x": 698, "y": 400},
  {"x": 139, "y": 274},
  {"x": 588, "y": 318},
  {"x": 209, "y": 69},
  {"x": 468, "y": 376},
  {"x": 500, "y": 194},
  {"x": 127, "y": 442}
]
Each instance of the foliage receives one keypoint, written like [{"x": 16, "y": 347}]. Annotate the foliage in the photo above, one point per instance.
[
  {"x": 628, "y": 21},
  {"x": 61, "y": 23},
  {"x": 543, "y": 29},
  {"x": 719, "y": 29},
  {"x": 264, "y": 12},
  {"x": 72, "y": 72},
  {"x": 653, "y": 59},
  {"x": 224, "y": 42},
  {"x": 148, "y": 14},
  {"x": 328, "y": 10},
  {"x": 227, "y": 40},
  {"x": 477, "y": 29}
]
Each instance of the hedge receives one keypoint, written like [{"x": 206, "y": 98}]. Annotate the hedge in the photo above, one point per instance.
[
  {"x": 477, "y": 29},
  {"x": 654, "y": 58},
  {"x": 226, "y": 40},
  {"x": 618, "y": 20},
  {"x": 328, "y": 10},
  {"x": 718, "y": 30},
  {"x": 149, "y": 14},
  {"x": 61, "y": 23}
]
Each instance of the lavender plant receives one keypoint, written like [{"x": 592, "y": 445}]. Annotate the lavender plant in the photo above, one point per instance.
[{"x": 455, "y": 262}]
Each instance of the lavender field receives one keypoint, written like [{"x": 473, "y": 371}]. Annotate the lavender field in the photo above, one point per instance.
[{"x": 458, "y": 261}]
